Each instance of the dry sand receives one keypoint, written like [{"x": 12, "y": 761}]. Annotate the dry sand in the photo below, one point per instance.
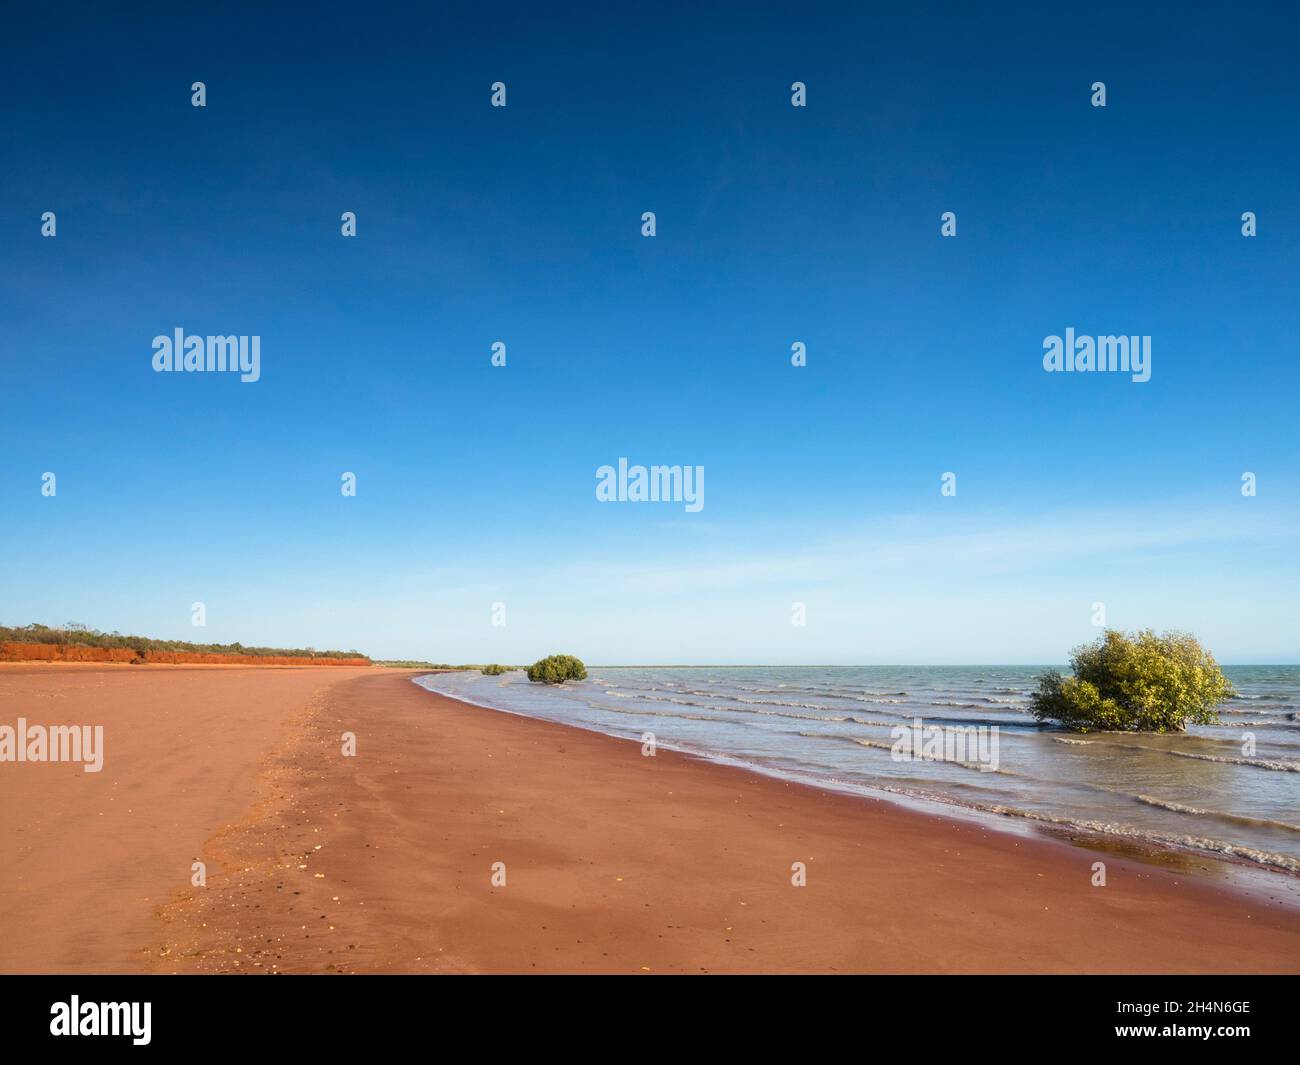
[
  {"x": 614, "y": 862},
  {"x": 86, "y": 858}
]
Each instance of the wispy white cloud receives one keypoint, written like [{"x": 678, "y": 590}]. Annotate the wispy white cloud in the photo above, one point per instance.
[{"x": 965, "y": 587}]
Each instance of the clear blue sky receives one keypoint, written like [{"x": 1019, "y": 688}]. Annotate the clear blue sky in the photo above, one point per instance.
[{"x": 775, "y": 224}]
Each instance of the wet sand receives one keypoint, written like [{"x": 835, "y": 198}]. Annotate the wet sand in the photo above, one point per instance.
[
  {"x": 613, "y": 862},
  {"x": 616, "y": 862}
]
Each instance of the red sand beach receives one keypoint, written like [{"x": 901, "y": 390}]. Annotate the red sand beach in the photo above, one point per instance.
[{"x": 613, "y": 862}]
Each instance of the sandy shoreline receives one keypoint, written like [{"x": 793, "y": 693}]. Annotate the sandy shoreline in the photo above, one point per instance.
[
  {"x": 86, "y": 858},
  {"x": 613, "y": 862}
]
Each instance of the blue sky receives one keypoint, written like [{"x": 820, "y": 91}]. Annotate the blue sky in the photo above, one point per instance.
[{"x": 775, "y": 224}]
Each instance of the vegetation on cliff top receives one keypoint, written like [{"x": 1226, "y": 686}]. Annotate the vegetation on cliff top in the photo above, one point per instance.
[{"x": 76, "y": 635}]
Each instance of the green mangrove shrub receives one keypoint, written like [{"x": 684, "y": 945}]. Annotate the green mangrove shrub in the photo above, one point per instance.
[
  {"x": 556, "y": 669},
  {"x": 1138, "y": 683}
]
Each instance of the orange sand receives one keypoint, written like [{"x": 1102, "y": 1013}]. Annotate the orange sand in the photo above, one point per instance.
[{"x": 614, "y": 862}]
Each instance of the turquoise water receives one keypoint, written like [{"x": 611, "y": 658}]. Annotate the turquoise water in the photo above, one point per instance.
[{"x": 1209, "y": 791}]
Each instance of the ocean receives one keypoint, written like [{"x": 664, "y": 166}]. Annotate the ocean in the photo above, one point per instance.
[{"x": 1211, "y": 791}]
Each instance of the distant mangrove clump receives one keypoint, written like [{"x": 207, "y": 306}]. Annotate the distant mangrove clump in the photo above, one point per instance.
[
  {"x": 419, "y": 663},
  {"x": 1139, "y": 683},
  {"x": 494, "y": 670},
  {"x": 556, "y": 669}
]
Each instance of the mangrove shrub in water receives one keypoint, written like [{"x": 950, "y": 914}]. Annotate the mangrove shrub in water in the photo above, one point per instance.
[
  {"x": 556, "y": 669},
  {"x": 1140, "y": 683}
]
